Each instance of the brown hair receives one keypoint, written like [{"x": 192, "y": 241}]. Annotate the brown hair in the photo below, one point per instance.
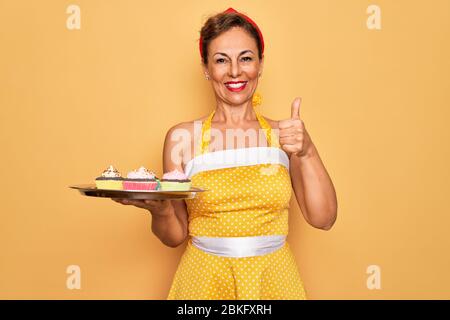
[{"x": 222, "y": 22}]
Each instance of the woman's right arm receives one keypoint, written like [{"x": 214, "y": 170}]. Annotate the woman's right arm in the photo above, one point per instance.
[
  {"x": 169, "y": 217},
  {"x": 172, "y": 226}
]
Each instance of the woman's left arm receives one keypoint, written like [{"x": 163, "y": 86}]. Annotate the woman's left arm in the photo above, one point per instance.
[{"x": 312, "y": 185}]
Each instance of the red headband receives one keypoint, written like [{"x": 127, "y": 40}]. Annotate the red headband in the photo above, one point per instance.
[{"x": 246, "y": 18}]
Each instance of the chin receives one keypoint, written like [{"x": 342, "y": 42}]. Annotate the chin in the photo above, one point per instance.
[
  {"x": 238, "y": 99},
  {"x": 239, "y": 102}
]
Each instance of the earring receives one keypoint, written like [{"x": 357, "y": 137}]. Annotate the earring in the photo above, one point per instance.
[
  {"x": 207, "y": 77},
  {"x": 256, "y": 99}
]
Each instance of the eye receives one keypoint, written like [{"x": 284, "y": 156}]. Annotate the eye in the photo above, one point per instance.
[
  {"x": 220, "y": 60},
  {"x": 247, "y": 59}
]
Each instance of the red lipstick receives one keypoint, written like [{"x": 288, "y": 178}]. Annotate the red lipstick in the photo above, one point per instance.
[{"x": 236, "y": 86}]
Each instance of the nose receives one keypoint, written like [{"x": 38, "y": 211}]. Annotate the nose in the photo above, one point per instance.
[{"x": 235, "y": 69}]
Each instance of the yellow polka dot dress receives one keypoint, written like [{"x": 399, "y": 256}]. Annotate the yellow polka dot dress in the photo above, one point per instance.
[{"x": 248, "y": 196}]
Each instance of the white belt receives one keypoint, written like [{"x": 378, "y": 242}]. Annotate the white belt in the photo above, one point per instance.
[{"x": 238, "y": 247}]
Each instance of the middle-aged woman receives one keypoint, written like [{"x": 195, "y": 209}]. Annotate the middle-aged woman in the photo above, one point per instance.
[{"x": 237, "y": 229}]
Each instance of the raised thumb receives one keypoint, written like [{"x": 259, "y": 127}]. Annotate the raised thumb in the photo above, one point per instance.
[{"x": 295, "y": 109}]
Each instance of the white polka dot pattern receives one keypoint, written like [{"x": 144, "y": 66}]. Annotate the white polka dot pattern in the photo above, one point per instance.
[
  {"x": 273, "y": 276},
  {"x": 240, "y": 201}
]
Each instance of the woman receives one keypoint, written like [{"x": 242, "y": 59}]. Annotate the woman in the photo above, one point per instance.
[{"x": 237, "y": 229}]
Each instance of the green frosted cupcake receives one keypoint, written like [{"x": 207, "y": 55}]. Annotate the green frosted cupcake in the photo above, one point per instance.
[{"x": 175, "y": 181}]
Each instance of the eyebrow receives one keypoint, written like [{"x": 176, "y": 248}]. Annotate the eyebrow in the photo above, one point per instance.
[{"x": 243, "y": 52}]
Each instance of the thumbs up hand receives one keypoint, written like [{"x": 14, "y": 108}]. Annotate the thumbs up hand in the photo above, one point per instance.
[{"x": 292, "y": 133}]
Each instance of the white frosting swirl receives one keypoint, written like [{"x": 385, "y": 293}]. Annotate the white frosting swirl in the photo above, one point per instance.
[
  {"x": 141, "y": 173},
  {"x": 111, "y": 172}
]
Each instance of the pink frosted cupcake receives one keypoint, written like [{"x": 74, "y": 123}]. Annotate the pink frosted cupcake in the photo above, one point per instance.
[
  {"x": 175, "y": 181},
  {"x": 140, "y": 180}
]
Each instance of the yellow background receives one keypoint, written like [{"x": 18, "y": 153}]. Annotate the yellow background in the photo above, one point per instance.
[{"x": 74, "y": 101}]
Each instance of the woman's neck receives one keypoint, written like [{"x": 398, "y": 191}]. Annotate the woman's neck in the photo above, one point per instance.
[{"x": 234, "y": 115}]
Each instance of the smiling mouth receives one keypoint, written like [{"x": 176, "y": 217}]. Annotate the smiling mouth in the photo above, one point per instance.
[{"x": 236, "y": 85}]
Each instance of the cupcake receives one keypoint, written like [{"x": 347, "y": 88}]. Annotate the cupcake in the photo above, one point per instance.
[
  {"x": 140, "y": 180},
  {"x": 175, "y": 181},
  {"x": 110, "y": 179}
]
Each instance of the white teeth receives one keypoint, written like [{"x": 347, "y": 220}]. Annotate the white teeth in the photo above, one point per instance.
[{"x": 235, "y": 85}]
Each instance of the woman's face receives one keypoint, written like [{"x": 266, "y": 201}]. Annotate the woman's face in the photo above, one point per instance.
[{"x": 233, "y": 66}]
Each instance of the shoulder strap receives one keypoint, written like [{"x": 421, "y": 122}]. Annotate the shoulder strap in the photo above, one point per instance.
[
  {"x": 272, "y": 139},
  {"x": 205, "y": 137}
]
